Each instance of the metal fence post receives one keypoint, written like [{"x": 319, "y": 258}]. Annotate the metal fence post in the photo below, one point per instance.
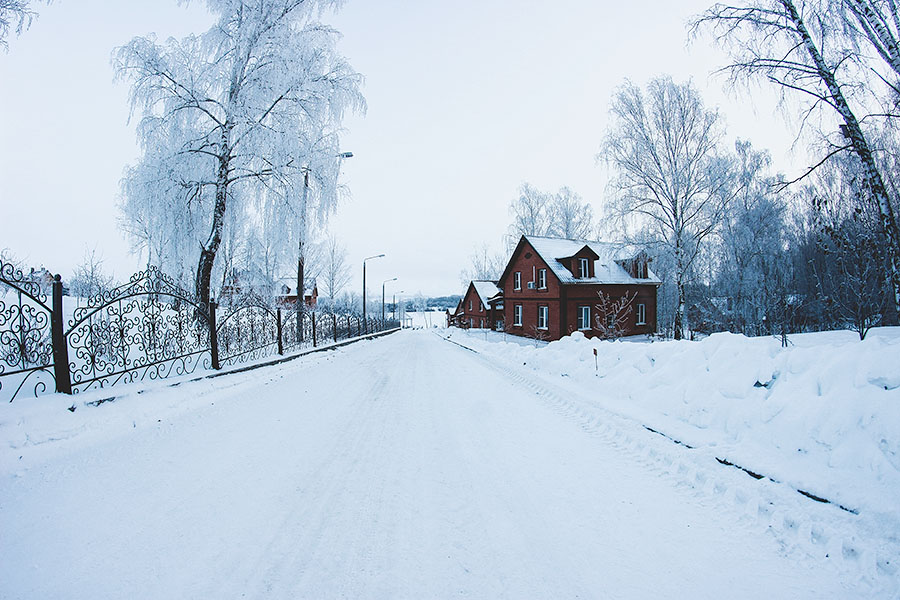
[
  {"x": 278, "y": 330},
  {"x": 213, "y": 337},
  {"x": 313, "y": 319},
  {"x": 334, "y": 325},
  {"x": 58, "y": 339}
]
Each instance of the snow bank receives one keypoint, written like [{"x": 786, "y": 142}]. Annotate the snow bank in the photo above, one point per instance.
[{"x": 822, "y": 415}]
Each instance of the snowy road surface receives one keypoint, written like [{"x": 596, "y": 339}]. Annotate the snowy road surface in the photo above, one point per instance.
[{"x": 405, "y": 467}]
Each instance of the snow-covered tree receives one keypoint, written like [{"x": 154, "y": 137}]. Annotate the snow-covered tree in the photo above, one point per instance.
[
  {"x": 530, "y": 211},
  {"x": 335, "y": 272},
  {"x": 90, "y": 278},
  {"x": 839, "y": 57},
  {"x": 226, "y": 114},
  {"x": 563, "y": 214},
  {"x": 484, "y": 265},
  {"x": 752, "y": 244},
  {"x": 670, "y": 175},
  {"x": 15, "y": 15},
  {"x": 570, "y": 216}
]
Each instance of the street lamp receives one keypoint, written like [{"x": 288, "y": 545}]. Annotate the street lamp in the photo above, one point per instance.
[
  {"x": 382, "y": 298},
  {"x": 301, "y": 259},
  {"x": 365, "y": 324},
  {"x": 394, "y": 309}
]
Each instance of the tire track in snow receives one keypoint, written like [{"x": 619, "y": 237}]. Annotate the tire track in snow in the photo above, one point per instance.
[{"x": 821, "y": 531}]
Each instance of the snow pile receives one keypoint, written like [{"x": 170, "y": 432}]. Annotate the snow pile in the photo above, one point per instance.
[{"x": 822, "y": 415}]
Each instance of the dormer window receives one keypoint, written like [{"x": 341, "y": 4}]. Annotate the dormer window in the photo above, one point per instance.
[
  {"x": 640, "y": 268},
  {"x": 583, "y": 271}
]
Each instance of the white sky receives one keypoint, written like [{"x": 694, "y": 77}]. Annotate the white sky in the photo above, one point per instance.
[{"x": 466, "y": 100}]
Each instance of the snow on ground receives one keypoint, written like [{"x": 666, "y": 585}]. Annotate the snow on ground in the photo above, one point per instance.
[
  {"x": 821, "y": 415},
  {"x": 429, "y": 319},
  {"x": 409, "y": 467}
]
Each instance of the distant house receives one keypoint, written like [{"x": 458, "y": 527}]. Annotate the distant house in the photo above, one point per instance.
[
  {"x": 550, "y": 287},
  {"x": 476, "y": 309},
  {"x": 44, "y": 279},
  {"x": 310, "y": 295}
]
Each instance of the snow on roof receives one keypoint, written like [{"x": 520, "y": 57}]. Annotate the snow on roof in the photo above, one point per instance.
[
  {"x": 606, "y": 268},
  {"x": 485, "y": 289}
]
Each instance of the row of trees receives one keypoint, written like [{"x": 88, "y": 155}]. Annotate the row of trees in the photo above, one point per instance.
[{"x": 743, "y": 248}]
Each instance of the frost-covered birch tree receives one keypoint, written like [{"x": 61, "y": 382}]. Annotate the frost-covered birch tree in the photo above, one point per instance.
[
  {"x": 15, "y": 15},
  {"x": 530, "y": 211},
  {"x": 484, "y": 265},
  {"x": 563, "y": 214},
  {"x": 570, "y": 216},
  {"x": 664, "y": 147},
  {"x": 223, "y": 115},
  {"x": 335, "y": 271},
  {"x": 841, "y": 60},
  {"x": 752, "y": 243}
]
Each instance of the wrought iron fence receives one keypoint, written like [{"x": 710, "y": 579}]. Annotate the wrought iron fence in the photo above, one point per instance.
[{"x": 146, "y": 329}]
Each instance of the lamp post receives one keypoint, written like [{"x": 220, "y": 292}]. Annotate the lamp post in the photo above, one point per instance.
[
  {"x": 394, "y": 308},
  {"x": 382, "y": 298},
  {"x": 365, "y": 324},
  {"x": 301, "y": 259}
]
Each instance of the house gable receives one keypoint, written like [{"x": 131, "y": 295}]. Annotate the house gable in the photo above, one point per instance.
[{"x": 526, "y": 260}]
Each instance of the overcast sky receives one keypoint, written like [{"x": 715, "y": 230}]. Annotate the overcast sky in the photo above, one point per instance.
[{"x": 466, "y": 100}]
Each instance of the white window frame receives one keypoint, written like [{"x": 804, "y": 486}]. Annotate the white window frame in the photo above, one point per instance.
[
  {"x": 641, "y": 313},
  {"x": 517, "y": 315},
  {"x": 584, "y": 268},
  {"x": 470, "y": 305},
  {"x": 543, "y": 312},
  {"x": 481, "y": 306},
  {"x": 517, "y": 280},
  {"x": 584, "y": 318},
  {"x": 542, "y": 279},
  {"x": 641, "y": 270}
]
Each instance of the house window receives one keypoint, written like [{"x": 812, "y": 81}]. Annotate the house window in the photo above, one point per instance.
[
  {"x": 517, "y": 315},
  {"x": 583, "y": 268},
  {"x": 641, "y": 314},
  {"x": 542, "y": 279},
  {"x": 481, "y": 306},
  {"x": 470, "y": 305},
  {"x": 517, "y": 280},
  {"x": 543, "y": 314},
  {"x": 584, "y": 318},
  {"x": 641, "y": 268},
  {"x": 482, "y": 323}
]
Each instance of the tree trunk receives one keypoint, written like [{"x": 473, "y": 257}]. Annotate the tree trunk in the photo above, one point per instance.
[
  {"x": 209, "y": 250},
  {"x": 860, "y": 147}
]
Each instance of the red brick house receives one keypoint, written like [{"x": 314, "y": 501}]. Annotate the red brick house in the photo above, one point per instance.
[
  {"x": 551, "y": 285},
  {"x": 476, "y": 311}
]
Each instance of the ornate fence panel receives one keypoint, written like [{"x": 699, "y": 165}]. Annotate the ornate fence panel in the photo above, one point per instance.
[
  {"x": 149, "y": 328},
  {"x": 250, "y": 331},
  {"x": 26, "y": 349},
  {"x": 146, "y": 329}
]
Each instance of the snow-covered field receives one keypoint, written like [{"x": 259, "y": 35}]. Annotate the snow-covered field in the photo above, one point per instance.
[
  {"x": 410, "y": 467},
  {"x": 427, "y": 319}
]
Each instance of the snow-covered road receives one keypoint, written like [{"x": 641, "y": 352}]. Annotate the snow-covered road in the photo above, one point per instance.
[{"x": 405, "y": 467}]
